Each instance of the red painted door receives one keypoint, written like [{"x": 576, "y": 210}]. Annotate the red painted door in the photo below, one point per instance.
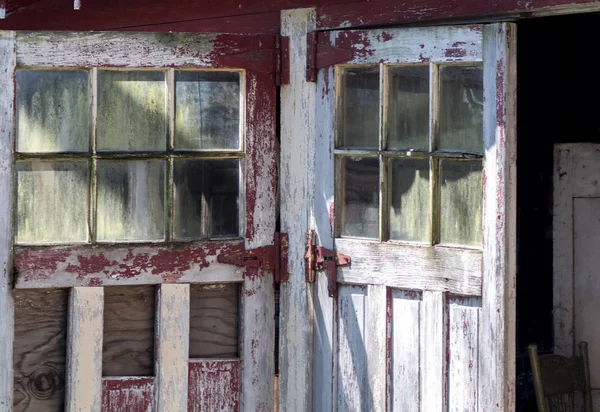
[{"x": 139, "y": 158}]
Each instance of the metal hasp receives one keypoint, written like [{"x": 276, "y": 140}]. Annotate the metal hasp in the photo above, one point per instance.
[
  {"x": 272, "y": 257},
  {"x": 320, "y": 258}
]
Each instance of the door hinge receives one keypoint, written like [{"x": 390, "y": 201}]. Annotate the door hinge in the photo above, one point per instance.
[
  {"x": 320, "y": 258},
  {"x": 282, "y": 74},
  {"x": 273, "y": 257},
  {"x": 321, "y": 54}
]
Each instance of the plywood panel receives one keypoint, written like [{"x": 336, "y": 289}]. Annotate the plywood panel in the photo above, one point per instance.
[
  {"x": 405, "y": 328},
  {"x": 40, "y": 349},
  {"x": 463, "y": 353},
  {"x": 214, "y": 385},
  {"x": 214, "y": 321},
  {"x": 128, "y": 346}
]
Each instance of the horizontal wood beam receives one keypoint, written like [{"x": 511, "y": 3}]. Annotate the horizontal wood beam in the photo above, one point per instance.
[
  {"x": 411, "y": 267},
  {"x": 60, "y": 267}
]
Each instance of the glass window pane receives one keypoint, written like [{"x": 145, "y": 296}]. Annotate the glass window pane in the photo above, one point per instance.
[
  {"x": 408, "y": 108},
  {"x": 207, "y": 110},
  {"x": 206, "y": 198},
  {"x": 53, "y": 111},
  {"x": 52, "y": 202},
  {"x": 130, "y": 200},
  {"x": 410, "y": 209},
  {"x": 358, "y": 124},
  {"x": 361, "y": 197},
  {"x": 461, "y": 202},
  {"x": 131, "y": 111},
  {"x": 461, "y": 108}
]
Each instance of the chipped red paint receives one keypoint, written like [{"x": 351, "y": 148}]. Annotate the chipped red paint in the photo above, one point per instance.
[
  {"x": 214, "y": 385},
  {"x": 455, "y": 52},
  {"x": 128, "y": 394}
]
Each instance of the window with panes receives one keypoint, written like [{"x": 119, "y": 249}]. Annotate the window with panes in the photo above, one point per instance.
[{"x": 409, "y": 153}]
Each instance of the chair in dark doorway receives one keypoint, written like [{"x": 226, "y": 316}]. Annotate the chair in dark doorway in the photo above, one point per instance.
[{"x": 561, "y": 384}]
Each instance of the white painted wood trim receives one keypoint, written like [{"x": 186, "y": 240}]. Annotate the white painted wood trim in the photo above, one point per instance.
[
  {"x": 376, "y": 345},
  {"x": 298, "y": 111},
  {"x": 411, "y": 267},
  {"x": 172, "y": 347},
  {"x": 84, "y": 350},
  {"x": 563, "y": 250},
  {"x": 415, "y": 45},
  {"x": 498, "y": 326},
  {"x": 433, "y": 351},
  {"x": 7, "y": 68}
]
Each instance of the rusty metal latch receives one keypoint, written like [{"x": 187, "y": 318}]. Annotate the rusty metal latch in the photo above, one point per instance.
[
  {"x": 271, "y": 257},
  {"x": 319, "y": 258}
]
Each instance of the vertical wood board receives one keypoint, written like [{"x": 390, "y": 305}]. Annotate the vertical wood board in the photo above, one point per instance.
[
  {"x": 128, "y": 394},
  {"x": 214, "y": 385},
  {"x": 433, "y": 351}
]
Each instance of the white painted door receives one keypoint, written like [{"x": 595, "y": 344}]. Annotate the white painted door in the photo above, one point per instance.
[
  {"x": 414, "y": 160},
  {"x": 138, "y": 159},
  {"x": 576, "y": 259}
]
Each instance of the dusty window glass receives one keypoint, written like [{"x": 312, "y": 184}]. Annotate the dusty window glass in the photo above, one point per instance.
[
  {"x": 361, "y": 197},
  {"x": 53, "y": 111},
  {"x": 207, "y": 110}
]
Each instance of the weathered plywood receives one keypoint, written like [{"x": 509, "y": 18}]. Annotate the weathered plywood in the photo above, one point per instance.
[
  {"x": 498, "y": 323},
  {"x": 106, "y": 265},
  {"x": 128, "y": 394},
  {"x": 214, "y": 385},
  {"x": 298, "y": 102},
  {"x": 84, "y": 350},
  {"x": 405, "y": 351},
  {"x": 411, "y": 267},
  {"x": 7, "y": 67},
  {"x": 40, "y": 349},
  {"x": 433, "y": 351},
  {"x": 214, "y": 321},
  {"x": 463, "y": 353},
  {"x": 128, "y": 343},
  {"x": 172, "y": 347}
]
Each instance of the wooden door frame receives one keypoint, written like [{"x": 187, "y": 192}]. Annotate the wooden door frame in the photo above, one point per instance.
[{"x": 299, "y": 104}]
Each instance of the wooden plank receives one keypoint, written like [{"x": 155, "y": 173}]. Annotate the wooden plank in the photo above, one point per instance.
[
  {"x": 298, "y": 111},
  {"x": 562, "y": 233},
  {"x": 57, "y": 267},
  {"x": 412, "y": 45},
  {"x": 405, "y": 357},
  {"x": 172, "y": 347},
  {"x": 84, "y": 350},
  {"x": 214, "y": 385},
  {"x": 498, "y": 323},
  {"x": 463, "y": 353},
  {"x": 7, "y": 65},
  {"x": 106, "y": 49},
  {"x": 585, "y": 170},
  {"x": 128, "y": 343},
  {"x": 128, "y": 394},
  {"x": 376, "y": 346},
  {"x": 438, "y": 269},
  {"x": 433, "y": 351},
  {"x": 214, "y": 321},
  {"x": 39, "y": 350}
]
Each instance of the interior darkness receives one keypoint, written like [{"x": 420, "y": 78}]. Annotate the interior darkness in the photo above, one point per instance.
[{"x": 558, "y": 102}]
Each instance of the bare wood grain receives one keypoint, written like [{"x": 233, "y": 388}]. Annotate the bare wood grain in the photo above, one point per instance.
[{"x": 40, "y": 349}]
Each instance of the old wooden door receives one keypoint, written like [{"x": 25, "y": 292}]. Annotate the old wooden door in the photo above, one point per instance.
[
  {"x": 413, "y": 153},
  {"x": 576, "y": 239},
  {"x": 138, "y": 159}
]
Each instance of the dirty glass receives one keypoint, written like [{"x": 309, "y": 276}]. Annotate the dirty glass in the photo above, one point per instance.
[
  {"x": 358, "y": 124},
  {"x": 206, "y": 196},
  {"x": 207, "y": 110},
  {"x": 53, "y": 111},
  {"x": 131, "y": 200},
  {"x": 410, "y": 200},
  {"x": 52, "y": 202},
  {"x": 408, "y": 108},
  {"x": 461, "y": 202},
  {"x": 461, "y": 108},
  {"x": 131, "y": 111},
  {"x": 361, "y": 197}
]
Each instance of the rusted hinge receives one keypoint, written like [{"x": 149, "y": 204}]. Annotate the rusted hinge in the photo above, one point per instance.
[
  {"x": 271, "y": 257},
  {"x": 282, "y": 75},
  {"x": 321, "y": 54},
  {"x": 320, "y": 258}
]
